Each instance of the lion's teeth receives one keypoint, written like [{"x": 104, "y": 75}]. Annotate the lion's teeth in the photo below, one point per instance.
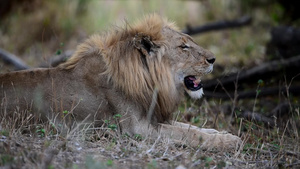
[
  {"x": 196, "y": 82},
  {"x": 192, "y": 78}
]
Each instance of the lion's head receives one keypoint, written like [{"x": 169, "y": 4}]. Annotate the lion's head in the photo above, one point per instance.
[{"x": 151, "y": 55}]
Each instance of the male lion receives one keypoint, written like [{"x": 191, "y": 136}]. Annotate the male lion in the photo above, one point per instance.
[{"x": 139, "y": 72}]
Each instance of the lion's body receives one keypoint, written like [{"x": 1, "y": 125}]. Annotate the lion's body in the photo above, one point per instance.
[{"x": 139, "y": 72}]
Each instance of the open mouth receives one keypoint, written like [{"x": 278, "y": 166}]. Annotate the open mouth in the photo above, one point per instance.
[{"x": 192, "y": 83}]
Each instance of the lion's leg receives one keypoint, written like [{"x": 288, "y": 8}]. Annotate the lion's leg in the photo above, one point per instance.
[
  {"x": 196, "y": 137},
  {"x": 209, "y": 131},
  {"x": 181, "y": 133}
]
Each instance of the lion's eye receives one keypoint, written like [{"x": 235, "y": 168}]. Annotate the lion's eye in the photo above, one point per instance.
[{"x": 185, "y": 46}]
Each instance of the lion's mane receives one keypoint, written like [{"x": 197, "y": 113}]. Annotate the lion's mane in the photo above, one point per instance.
[{"x": 134, "y": 74}]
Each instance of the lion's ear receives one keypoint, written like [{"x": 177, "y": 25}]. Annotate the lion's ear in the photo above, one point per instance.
[{"x": 145, "y": 45}]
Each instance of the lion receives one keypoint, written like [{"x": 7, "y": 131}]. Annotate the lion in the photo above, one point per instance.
[{"x": 139, "y": 72}]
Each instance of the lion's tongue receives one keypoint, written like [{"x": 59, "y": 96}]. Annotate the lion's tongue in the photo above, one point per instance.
[{"x": 195, "y": 81}]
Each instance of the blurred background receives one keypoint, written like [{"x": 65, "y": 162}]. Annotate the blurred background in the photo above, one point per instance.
[{"x": 36, "y": 30}]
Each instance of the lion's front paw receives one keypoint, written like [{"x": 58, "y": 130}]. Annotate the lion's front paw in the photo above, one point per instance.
[
  {"x": 210, "y": 139},
  {"x": 220, "y": 141}
]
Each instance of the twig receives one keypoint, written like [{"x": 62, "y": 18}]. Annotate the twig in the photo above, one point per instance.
[
  {"x": 220, "y": 25},
  {"x": 12, "y": 59},
  {"x": 153, "y": 146},
  {"x": 251, "y": 162},
  {"x": 235, "y": 98},
  {"x": 230, "y": 96},
  {"x": 288, "y": 152},
  {"x": 293, "y": 165},
  {"x": 287, "y": 88},
  {"x": 77, "y": 126}
]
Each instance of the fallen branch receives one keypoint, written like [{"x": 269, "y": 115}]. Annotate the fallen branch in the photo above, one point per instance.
[
  {"x": 256, "y": 72},
  {"x": 220, "y": 25},
  {"x": 280, "y": 110},
  {"x": 258, "y": 117},
  {"x": 252, "y": 94},
  {"x": 12, "y": 59}
]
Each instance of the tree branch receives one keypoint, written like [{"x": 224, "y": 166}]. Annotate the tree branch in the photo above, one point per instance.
[
  {"x": 220, "y": 25},
  {"x": 252, "y": 94},
  {"x": 255, "y": 72},
  {"x": 12, "y": 59}
]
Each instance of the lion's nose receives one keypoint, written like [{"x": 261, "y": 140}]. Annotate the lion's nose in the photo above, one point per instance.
[
  {"x": 211, "y": 60},
  {"x": 210, "y": 57}
]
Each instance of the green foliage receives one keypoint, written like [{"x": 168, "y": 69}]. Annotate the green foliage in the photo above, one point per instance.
[
  {"x": 6, "y": 159},
  {"x": 249, "y": 126},
  {"x": 238, "y": 112},
  {"x": 138, "y": 137},
  {"x": 152, "y": 164},
  {"x": 58, "y": 52},
  {"x": 208, "y": 160},
  {"x": 52, "y": 125},
  {"x": 40, "y": 131},
  {"x": 126, "y": 135},
  {"x": 258, "y": 92},
  {"x": 249, "y": 48},
  {"x": 113, "y": 127},
  {"x": 221, "y": 164},
  {"x": 109, "y": 163},
  {"x": 117, "y": 116},
  {"x": 260, "y": 82},
  {"x": 247, "y": 146},
  {"x": 181, "y": 108},
  {"x": 51, "y": 167},
  {"x": 195, "y": 120},
  {"x": 277, "y": 13},
  {"x": 4, "y": 133},
  {"x": 107, "y": 121},
  {"x": 90, "y": 163}
]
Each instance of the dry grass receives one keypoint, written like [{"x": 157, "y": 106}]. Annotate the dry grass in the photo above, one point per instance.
[{"x": 26, "y": 142}]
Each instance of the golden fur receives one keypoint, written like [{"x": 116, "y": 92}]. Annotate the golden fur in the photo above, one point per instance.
[
  {"x": 122, "y": 72},
  {"x": 123, "y": 66}
]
